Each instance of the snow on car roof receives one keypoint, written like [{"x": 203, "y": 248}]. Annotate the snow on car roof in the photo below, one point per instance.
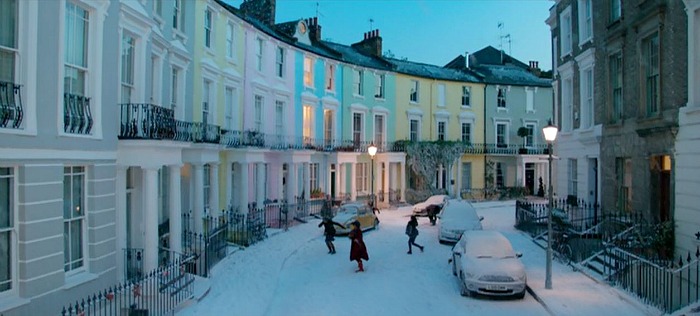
[
  {"x": 486, "y": 243},
  {"x": 459, "y": 209}
]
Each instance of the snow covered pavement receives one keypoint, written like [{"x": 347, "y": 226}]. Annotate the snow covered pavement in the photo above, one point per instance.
[{"x": 291, "y": 274}]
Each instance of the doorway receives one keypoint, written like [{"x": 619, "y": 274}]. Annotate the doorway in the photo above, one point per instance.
[
  {"x": 661, "y": 186},
  {"x": 332, "y": 182},
  {"x": 530, "y": 178}
]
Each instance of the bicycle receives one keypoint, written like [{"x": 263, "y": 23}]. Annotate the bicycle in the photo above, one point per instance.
[{"x": 563, "y": 252}]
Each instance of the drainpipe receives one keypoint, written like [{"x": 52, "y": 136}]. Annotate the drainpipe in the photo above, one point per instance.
[{"x": 484, "y": 144}]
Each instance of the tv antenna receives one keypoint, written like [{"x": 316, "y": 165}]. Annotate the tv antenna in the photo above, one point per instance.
[
  {"x": 502, "y": 37},
  {"x": 371, "y": 21}
]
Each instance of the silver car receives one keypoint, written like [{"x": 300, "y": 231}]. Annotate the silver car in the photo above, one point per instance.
[
  {"x": 485, "y": 263},
  {"x": 456, "y": 217}
]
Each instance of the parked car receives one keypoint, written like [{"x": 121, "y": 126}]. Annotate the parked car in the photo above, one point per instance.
[
  {"x": 421, "y": 209},
  {"x": 350, "y": 212},
  {"x": 456, "y": 217},
  {"x": 485, "y": 263}
]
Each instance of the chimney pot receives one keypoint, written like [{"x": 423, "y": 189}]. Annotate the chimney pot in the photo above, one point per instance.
[
  {"x": 377, "y": 32},
  {"x": 365, "y": 34},
  {"x": 537, "y": 64},
  {"x": 315, "y": 21}
]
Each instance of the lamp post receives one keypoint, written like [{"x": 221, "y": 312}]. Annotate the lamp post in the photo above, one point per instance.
[
  {"x": 550, "y": 134},
  {"x": 372, "y": 150}
]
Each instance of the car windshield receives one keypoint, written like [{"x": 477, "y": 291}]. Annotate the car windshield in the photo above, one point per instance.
[{"x": 350, "y": 210}]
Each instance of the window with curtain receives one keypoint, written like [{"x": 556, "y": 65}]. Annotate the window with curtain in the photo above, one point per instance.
[
  {"x": 76, "y": 50},
  {"x": 128, "y": 46},
  {"x": 8, "y": 40},
  {"x": 7, "y": 227}
]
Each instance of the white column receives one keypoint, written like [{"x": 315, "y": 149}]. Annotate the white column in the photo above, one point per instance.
[
  {"x": 175, "y": 209},
  {"x": 198, "y": 197},
  {"x": 340, "y": 179},
  {"x": 291, "y": 182},
  {"x": 121, "y": 219},
  {"x": 459, "y": 178},
  {"x": 150, "y": 217},
  {"x": 353, "y": 185},
  {"x": 338, "y": 176},
  {"x": 214, "y": 189},
  {"x": 307, "y": 182},
  {"x": 386, "y": 186},
  {"x": 278, "y": 180},
  {"x": 228, "y": 183},
  {"x": 402, "y": 170},
  {"x": 260, "y": 184},
  {"x": 243, "y": 202}
]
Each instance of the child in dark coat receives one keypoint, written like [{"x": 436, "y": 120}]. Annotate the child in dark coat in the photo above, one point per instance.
[
  {"x": 329, "y": 231},
  {"x": 412, "y": 232},
  {"x": 358, "y": 250}
]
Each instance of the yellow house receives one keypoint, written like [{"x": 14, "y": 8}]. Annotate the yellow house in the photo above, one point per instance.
[{"x": 436, "y": 103}]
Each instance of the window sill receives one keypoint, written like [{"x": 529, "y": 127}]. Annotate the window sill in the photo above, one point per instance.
[
  {"x": 11, "y": 301},
  {"x": 502, "y": 110},
  {"x": 380, "y": 99},
  {"x": 330, "y": 91},
  {"x": 358, "y": 96},
  {"x": 159, "y": 21},
  {"x": 18, "y": 131},
  {"x": 179, "y": 35},
  {"x": 85, "y": 136},
  {"x": 209, "y": 51},
  {"x": 78, "y": 279},
  {"x": 413, "y": 102},
  {"x": 466, "y": 107},
  {"x": 232, "y": 60},
  {"x": 309, "y": 88}
]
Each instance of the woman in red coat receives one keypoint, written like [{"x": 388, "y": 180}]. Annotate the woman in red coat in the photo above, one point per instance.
[{"x": 358, "y": 251}]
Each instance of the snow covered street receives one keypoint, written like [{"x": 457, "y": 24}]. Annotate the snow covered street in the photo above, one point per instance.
[{"x": 291, "y": 273}]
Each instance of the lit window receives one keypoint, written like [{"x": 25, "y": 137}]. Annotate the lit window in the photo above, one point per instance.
[
  {"x": 308, "y": 72},
  {"x": 73, "y": 217}
]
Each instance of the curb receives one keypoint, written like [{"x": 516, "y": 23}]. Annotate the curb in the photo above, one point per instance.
[{"x": 539, "y": 300}]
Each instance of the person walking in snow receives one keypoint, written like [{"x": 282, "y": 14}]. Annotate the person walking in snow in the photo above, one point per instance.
[
  {"x": 329, "y": 231},
  {"x": 358, "y": 250},
  {"x": 412, "y": 232}
]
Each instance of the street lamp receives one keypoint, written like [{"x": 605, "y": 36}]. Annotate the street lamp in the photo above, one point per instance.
[
  {"x": 550, "y": 134},
  {"x": 372, "y": 150}
]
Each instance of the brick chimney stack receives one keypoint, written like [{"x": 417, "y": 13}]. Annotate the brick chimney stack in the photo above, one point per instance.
[
  {"x": 314, "y": 28},
  {"x": 261, "y": 10},
  {"x": 535, "y": 68},
  {"x": 370, "y": 44}
]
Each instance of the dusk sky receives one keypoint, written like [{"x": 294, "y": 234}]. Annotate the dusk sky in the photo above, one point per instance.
[{"x": 432, "y": 31}]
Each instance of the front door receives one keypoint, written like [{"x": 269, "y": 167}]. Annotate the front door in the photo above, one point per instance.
[
  {"x": 332, "y": 181},
  {"x": 530, "y": 178}
]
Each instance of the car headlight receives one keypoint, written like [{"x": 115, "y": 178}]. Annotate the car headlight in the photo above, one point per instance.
[{"x": 468, "y": 275}]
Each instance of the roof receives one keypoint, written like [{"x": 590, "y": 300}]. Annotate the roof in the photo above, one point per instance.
[
  {"x": 492, "y": 56},
  {"x": 433, "y": 71},
  {"x": 353, "y": 56},
  {"x": 510, "y": 75}
]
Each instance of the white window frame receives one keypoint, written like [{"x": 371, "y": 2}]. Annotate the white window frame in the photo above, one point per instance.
[
  {"x": 502, "y": 97},
  {"x": 468, "y": 134},
  {"x": 615, "y": 7},
  {"x": 156, "y": 79},
  {"x": 358, "y": 82},
  {"x": 328, "y": 126},
  {"x": 229, "y": 99},
  {"x": 178, "y": 16},
  {"x": 652, "y": 103},
  {"x": 279, "y": 118},
  {"x": 258, "y": 104},
  {"x": 379, "y": 91},
  {"x": 128, "y": 68},
  {"x": 308, "y": 72},
  {"x": 308, "y": 124},
  {"x": 411, "y": 131},
  {"x": 206, "y": 188},
  {"x": 585, "y": 21},
  {"x": 358, "y": 136},
  {"x": 565, "y": 28},
  {"x": 414, "y": 94},
  {"x": 506, "y": 133},
  {"x": 466, "y": 96},
  {"x": 71, "y": 173},
  {"x": 208, "y": 106},
  {"x": 466, "y": 183},
  {"x": 616, "y": 110},
  {"x": 208, "y": 27},
  {"x": 11, "y": 231},
  {"x": 379, "y": 135},
  {"x": 441, "y": 129},
  {"x": 362, "y": 178},
  {"x": 530, "y": 139},
  {"x": 280, "y": 59},
  {"x": 230, "y": 41},
  {"x": 330, "y": 77},
  {"x": 572, "y": 168},
  {"x": 259, "y": 50},
  {"x": 313, "y": 176}
]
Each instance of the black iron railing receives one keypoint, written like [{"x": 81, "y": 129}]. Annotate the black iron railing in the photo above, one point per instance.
[
  {"x": 77, "y": 115},
  {"x": 157, "y": 292},
  {"x": 626, "y": 249},
  {"x": 11, "y": 110},
  {"x": 133, "y": 263},
  {"x": 146, "y": 121}
]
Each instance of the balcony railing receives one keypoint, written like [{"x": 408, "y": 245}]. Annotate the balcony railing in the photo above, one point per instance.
[
  {"x": 77, "y": 116},
  {"x": 11, "y": 111},
  {"x": 146, "y": 121}
]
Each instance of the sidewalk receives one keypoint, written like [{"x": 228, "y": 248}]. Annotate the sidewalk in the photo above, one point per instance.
[{"x": 573, "y": 293}]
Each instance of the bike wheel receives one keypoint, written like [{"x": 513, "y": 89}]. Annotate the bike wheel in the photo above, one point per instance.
[{"x": 565, "y": 254}]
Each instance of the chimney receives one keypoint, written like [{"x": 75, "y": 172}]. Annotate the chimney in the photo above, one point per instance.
[
  {"x": 261, "y": 10},
  {"x": 314, "y": 29},
  {"x": 535, "y": 68},
  {"x": 370, "y": 44}
]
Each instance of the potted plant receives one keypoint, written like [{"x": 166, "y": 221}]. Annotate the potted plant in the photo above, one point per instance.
[{"x": 523, "y": 132}]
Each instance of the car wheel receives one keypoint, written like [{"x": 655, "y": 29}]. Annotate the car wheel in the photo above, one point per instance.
[
  {"x": 376, "y": 223},
  {"x": 462, "y": 286}
]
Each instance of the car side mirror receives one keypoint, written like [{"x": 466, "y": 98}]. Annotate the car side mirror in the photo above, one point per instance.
[
  {"x": 481, "y": 218},
  {"x": 518, "y": 254},
  {"x": 457, "y": 254}
]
